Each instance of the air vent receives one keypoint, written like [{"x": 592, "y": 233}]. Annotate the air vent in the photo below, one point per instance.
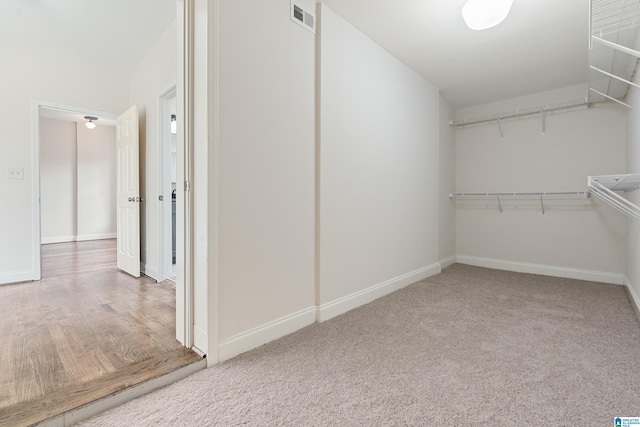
[{"x": 303, "y": 13}]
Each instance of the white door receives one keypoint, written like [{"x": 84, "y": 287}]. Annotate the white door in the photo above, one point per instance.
[{"x": 128, "y": 186}]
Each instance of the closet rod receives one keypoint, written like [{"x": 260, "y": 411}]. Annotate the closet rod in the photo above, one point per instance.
[
  {"x": 520, "y": 112},
  {"x": 617, "y": 46},
  {"x": 557, "y": 194},
  {"x": 614, "y": 76},
  {"x": 610, "y": 97}
]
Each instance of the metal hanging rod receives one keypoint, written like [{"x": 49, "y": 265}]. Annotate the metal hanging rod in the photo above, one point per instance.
[
  {"x": 554, "y": 194},
  {"x": 522, "y": 195},
  {"x": 520, "y": 112},
  {"x": 610, "y": 97},
  {"x": 617, "y": 46}
]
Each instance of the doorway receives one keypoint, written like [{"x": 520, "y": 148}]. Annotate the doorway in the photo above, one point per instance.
[
  {"x": 167, "y": 167},
  {"x": 76, "y": 178}
]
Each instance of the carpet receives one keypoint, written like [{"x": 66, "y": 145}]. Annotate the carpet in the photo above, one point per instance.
[{"x": 468, "y": 347}]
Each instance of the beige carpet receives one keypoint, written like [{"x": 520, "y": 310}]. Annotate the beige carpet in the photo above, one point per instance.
[{"x": 469, "y": 347}]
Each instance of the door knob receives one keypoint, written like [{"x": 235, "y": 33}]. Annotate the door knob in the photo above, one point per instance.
[{"x": 131, "y": 199}]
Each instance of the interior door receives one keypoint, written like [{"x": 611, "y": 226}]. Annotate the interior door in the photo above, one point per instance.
[{"x": 128, "y": 192}]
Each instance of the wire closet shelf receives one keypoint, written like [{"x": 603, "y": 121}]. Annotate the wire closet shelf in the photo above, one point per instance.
[
  {"x": 604, "y": 187},
  {"x": 538, "y": 196},
  {"x": 613, "y": 54}
]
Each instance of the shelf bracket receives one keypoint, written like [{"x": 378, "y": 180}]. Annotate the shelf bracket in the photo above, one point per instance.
[
  {"x": 617, "y": 46},
  {"x": 610, "y": 97},
  {"x": 544, "y": 122},
  {"x": 500, "y": 129},
  {"x": 499, "y": 204},
  {"x": 542, "y": 204}
]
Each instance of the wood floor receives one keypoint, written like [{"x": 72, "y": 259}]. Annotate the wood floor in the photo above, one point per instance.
[{"x": 85, "y": 331}]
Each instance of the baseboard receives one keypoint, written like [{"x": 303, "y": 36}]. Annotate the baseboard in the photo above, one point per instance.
[
  {"x": 342, "y": 305},
  {"x": 256, "y": 337},
  {"x": 57, "y": 239},
  {"x": 85, "y": 412},
  {"x": 447, "y": 262},
  {"x": 81, "y": 238},
  {"x": 544, "y": 270},
  {"x": 634, "y": 299},
  {"x": 200, "y": 340},
  {"x": 103, "y": 236},
  {"x": 149, "y": 271},
  {"x": 17, "y": 276}
]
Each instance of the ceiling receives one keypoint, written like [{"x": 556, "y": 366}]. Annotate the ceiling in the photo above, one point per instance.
[
  {"x": 111, "y": 33},
  {"x": 542, "y": 45},
  {"x": 69, "y": 116}
]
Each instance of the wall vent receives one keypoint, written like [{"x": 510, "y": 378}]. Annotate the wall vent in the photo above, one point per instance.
[{"x": 303, "y": 13}]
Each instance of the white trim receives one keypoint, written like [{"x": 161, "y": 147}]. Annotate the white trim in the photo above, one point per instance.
[
  {"x": 94, "y": 408},
  {"x": 213, "y": 185},
  {"x": 545, "y": 270},
  {"x": 199, "y": 336},
  {"x": 149, "y": 271},
  {"x": 164, "y": 182},
  {"x": 36, "y": 104},
  {"x": 448, "y": 262},
  {"x": 357, "y": 299},
  {"x": 35, "y": 188},
  {"x": 16, "y": 276},
  {"x": 81, "y": 238},
  {"x": 633, "y": 296},
  {"x": 102, "y": 236},
  {"x": 57, "y": 239},
  {"x": 256, "y": 337}
]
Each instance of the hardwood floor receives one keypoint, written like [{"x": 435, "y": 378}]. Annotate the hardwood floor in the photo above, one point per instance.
[{"x": 85, "y": 331}]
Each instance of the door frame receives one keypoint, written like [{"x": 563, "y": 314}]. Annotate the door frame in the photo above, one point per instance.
[
  {"x": 186, "y": 11},
  {"x": 36, "y": 105},
  {"x": 164, "y": 179}
]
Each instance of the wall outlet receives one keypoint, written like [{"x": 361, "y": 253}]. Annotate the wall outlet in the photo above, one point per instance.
[{"x": 15, "y": 173}]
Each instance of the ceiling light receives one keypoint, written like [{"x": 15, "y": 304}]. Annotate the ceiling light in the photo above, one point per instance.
[
  {"x": 483, "y": 14},
  {"x": 90, "y": 124}
]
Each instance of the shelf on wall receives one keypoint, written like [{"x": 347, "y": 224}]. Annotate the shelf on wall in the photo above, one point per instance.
[
  {"x": 614, "y": 26},
  {"x": 603, "y": 187}
]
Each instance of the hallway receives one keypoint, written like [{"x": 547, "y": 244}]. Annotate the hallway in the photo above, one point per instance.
[{"x": 85, "y": 331}]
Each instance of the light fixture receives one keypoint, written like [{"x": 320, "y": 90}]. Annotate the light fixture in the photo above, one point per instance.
[
  {"x": 90, "y": 124},
  {"x": 483, "y": 14},
  {"x": 174, "y": 129}
]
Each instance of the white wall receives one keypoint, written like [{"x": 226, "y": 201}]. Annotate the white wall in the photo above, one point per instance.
[
  {"x": 96, "y": 182},
  {"x": 266, "y": 168},
  {"x": 155, "y": 74},
  {"x": 48, "y": 76},
  {"x": 379, "y": 170},
  {"x": 632, "y": 271},
  {"x": 447, "y": 181},
  {"x": 575, "y": 238},
  {"x": 58, "y": 181},
  {"x": 77, "y": 177}
]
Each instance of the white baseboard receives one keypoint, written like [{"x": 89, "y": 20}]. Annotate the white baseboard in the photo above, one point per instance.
[
  {"x": 81, "y": 238},
  {"x": 342, "y": 305},
  {"x": 545, "y": 270},
  {"x": 103, "y": 236},
  {"x": 149, "y": 271},
  {"x": 200, "y": 340},
  {"x": 447, "y": 262},
  {"x": 94, "y": 408},
  {"x": 633, "y": 296},
  {"x": 57, "y": 239},
  {"x": 256, "y": 337},
  {"x": 17, "y": 276}
]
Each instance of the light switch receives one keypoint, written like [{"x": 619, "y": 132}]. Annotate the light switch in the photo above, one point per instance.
[{"x": 15, "y": 173}]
